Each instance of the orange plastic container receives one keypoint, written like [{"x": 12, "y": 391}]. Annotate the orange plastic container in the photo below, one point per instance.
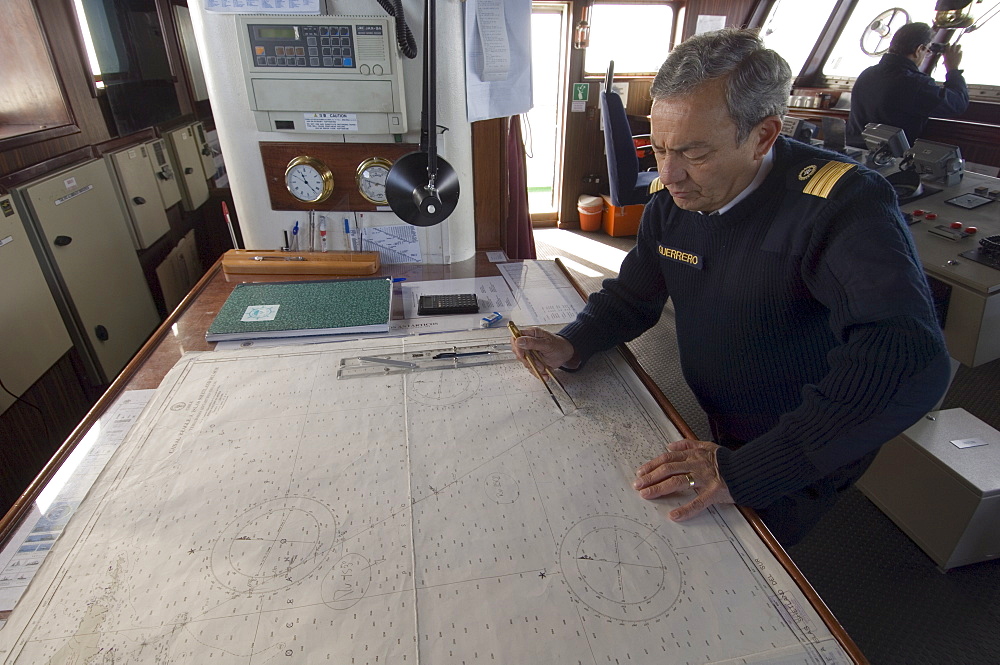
[
  {"x": 621, "y": 221},
  {"x": 591, "y": 209}
]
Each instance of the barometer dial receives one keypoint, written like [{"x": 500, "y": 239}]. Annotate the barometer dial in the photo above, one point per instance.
[{"x": 371, "y": 179}]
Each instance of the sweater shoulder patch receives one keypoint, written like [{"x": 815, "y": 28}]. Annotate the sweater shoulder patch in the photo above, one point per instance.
[{"x": 821, "y": 177}]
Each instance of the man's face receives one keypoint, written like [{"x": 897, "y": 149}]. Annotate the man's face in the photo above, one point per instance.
[{"x": 697, "y": 156}]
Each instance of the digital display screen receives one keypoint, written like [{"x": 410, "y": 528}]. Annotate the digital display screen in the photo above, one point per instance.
[{"x": 276, "y": 32}]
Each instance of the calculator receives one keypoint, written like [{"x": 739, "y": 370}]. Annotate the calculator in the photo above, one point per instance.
[{"x": 451, "y": 303}]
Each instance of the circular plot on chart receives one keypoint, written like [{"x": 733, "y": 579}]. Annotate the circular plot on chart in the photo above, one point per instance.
[
  {"x": 501, "y": 487},
  {"x": 273, "y": 545},
  {"x": 347, "y": 582},
  {"x": 620, "y": 568},
  {"x": 443, "y": 387}
]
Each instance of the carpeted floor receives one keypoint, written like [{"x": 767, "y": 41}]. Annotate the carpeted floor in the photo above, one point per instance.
[{"x": 889, "y": 596}]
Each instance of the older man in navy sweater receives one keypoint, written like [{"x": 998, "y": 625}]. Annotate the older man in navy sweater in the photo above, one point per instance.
[{"x": 804, "y": 321}]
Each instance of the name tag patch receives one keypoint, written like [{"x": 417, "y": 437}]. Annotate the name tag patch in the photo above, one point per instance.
[{"x": 693, "y": 260}]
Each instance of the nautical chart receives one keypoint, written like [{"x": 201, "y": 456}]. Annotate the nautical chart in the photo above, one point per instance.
[{"x": 264, "y": 511}]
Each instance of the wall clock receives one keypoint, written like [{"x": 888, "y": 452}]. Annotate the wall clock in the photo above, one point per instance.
[{"x": 308, "y": 179}]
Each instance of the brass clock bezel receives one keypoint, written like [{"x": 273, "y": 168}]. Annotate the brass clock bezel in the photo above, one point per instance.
[
  {"x": 367, "y": 164},
  {"x": 324, "y": 172}
]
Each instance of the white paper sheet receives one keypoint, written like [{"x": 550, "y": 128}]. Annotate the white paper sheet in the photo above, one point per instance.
[
  {"x": 263, "y": 6},
  {"x": 497, "y": 60},
  {"x": 263, "y": 511},
  {"x": 544, "y": 295},
  {"x": 24, "y": 552}
]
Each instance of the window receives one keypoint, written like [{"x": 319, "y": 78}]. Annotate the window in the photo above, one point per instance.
[
  {"x": 637, "y": 37},
  {"x": 872, "y": 23},
  {"x": 793, "y": 32},
  {"x": 979, "y": 48},
  {"x": 128, "y": 58},
  {"x": 869, "y": 29}
]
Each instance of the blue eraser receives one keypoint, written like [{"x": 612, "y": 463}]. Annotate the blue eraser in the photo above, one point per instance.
[{"x": 490, "y": 320}]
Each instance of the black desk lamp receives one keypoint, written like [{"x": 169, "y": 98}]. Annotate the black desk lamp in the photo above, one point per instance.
[{"x": 422, "y": 188}]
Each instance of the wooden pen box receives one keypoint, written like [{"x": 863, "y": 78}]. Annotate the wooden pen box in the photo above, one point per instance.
[{"x": 276, "y": 262}]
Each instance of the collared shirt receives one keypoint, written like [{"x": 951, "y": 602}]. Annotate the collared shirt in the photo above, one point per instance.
[{"x": 762, "y": 171}]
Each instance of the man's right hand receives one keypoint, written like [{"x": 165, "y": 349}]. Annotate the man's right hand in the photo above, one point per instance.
[
  {"x": 952, "y": 56},
  {"x": 553, "y": 350}
]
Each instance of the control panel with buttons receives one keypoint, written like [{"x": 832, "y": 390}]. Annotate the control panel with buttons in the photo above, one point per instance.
[
  {"x": 305, "y": 45},
  {"x": 323, "y": 74}
]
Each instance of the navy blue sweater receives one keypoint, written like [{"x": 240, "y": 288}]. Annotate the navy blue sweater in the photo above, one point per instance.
[
  {"x": 894, "y": 92},
  {"x": 804, "y": 323}
]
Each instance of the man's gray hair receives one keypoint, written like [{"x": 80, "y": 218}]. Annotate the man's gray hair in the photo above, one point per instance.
[{"x": 758, "y": 79}]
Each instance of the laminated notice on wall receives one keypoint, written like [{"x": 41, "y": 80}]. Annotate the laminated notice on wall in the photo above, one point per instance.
[
  {"x": 262, "y": 6},
  {"x": 331, "y": 122}
]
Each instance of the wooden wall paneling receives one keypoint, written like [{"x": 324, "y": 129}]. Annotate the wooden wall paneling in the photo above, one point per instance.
[
  {"x": 38, "y": 102},
  {"x": 341, "y": 158},
  {"x": 26, "y": 440},
  {"x": 50, "y": 165},
  {"x": 59, "y": 25},
  {"x": 735, "y": 11},
  {"x": 980, "y": 143},
  {"x": 489, "y": 166}
]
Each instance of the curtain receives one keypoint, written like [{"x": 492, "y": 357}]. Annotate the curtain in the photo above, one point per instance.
[{"x": 520, "y": 241}]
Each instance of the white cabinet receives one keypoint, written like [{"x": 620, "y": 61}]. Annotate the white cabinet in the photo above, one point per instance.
[
  {"x": 32, "y": 334},
  {"x": 185, "y": 151},
  {"x": 81, "y": 235},
  {"x": 146, "y": 212}
]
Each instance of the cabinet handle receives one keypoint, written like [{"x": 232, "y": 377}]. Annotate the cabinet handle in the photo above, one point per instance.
[
  {"x": 138, "y": 200},
  {"x": 188, "y": 170},
  {"x": 102, "y": 333},
  {"x": 62, "y": 241}
]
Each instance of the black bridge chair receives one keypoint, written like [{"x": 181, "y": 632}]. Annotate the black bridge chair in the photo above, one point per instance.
[{"x": 628, "y": 184}]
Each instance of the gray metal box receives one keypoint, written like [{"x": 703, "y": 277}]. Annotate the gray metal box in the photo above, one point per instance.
[{"x": 939, "y": 481}]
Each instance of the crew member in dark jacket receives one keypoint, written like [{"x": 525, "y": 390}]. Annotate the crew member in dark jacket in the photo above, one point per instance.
[
  {"x": 804, "y": 321},
  {"x": 894, "y": 92}
]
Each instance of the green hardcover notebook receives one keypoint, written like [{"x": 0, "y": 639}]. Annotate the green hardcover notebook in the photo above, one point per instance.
[{"x": 293, "y": 309}]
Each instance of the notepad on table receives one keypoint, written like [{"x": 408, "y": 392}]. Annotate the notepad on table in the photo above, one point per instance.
[{"x": 296, "y": 309}]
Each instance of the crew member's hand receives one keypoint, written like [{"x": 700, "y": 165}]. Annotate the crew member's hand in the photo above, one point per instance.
[
  {"x": 552, "y": 350},
  {"x": 952, "y": 56},
  {"x": 687, "y": 465}
]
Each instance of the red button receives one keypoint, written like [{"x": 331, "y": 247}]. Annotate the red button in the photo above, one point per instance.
[
  {"x": 918, "y": 213},
  {"x": 971, "y": 229},
  {"x": 956, "y": 225},
  {"x": 931, "y": 215}
]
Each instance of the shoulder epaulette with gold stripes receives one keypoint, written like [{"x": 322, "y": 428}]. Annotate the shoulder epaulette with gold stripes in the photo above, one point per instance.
[
  {"x": 820, "y": 177},
  {"x": 656, "y": 186}
]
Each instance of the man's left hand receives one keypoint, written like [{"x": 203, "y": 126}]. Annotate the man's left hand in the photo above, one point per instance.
[{"x": 687, "y": 464}]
